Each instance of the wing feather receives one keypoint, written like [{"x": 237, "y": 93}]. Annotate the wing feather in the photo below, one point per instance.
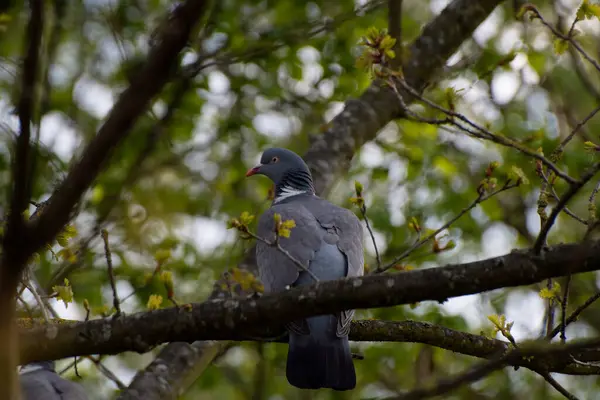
[{"x": 317, "y": 221}]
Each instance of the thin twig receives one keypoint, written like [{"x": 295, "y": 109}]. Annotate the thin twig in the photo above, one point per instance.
[
  {"x": 567, "y": 38},
  {"x": 285, "y": 37},
  {"x": 27, "y": 308},
  {"x": 564, "y": 303},
  {"x": 499, "y": 361},
  {"x": 363, "y": 210},
  {"x": 480, "y": 198},
  {"x": 550, "y": 312},
  {"x": 133, "y": 174},
  {"x": 577, "y": 128},
  {"x": 276, "y": 244},
  {"x": 595, "y": 192},
  {"x": 573, "y": 189},
  {"x": 75, "y": 366},
  {"x": 106, "y": 372},
  {"x": 38, "y": 300},
  {"x": 480, "y": 132},
  {"x": 557, "y": 198},
  {"x": 557, "y": 386},
  {"x": 573, "y": 317},
  {"x": 153, "y": 75},
  {"x": 474, "y": 374},
  {"x": 111, "y": 274},
  {"x": 592, "y": 218}
]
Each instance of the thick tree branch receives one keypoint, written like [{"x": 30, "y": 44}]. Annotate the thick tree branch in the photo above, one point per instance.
[
  {"x": 395, "y": 28},
  {"x": 530, "y": 350},
  {"x": 330, "y": 155},
  {"x": 10, "y": 265},
  {"x": 170, "y": 369},
  {"x": 21, "y": 177},
  {"x": 162, "y": 60},
  {"x": 223, "y": 319},
  {"x": 371, "y": 331},
  {"x": 362, "y": 118},
  {"x": 178, "y": 364},
  {"x": 361, "y": 331}
]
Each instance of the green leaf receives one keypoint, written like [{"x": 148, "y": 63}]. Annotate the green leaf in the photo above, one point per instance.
[{"x": 560, "y": 46}]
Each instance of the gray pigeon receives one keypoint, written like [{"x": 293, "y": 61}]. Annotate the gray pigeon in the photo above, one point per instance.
[
  {"x": 328, "y": 241},
  {"x": 39, "y": 381}
]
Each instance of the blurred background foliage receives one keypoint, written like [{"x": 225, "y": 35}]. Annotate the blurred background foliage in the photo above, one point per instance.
[{"x": 275, "y": 73}]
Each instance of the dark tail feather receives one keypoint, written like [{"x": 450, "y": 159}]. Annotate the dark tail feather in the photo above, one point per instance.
[{"x": 312, "y": 365}]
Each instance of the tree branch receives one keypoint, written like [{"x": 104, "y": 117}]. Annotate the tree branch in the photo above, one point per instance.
[
  {"x": 162, "y": 60},
  {"x": 170, "y": 369},
  {"x": 22, "y": 164},
  {"x": 362, "y": 118},
  {"x": 395, "y": 29},
  {"x": 223, "y": 319},
  {"x": 11, "y": 267},
  {"x": 371, "y": 331},
  {"x": 573, "y": 189},
  {"x": 557, "y": 386},
  {"x": 529, "y": 350}
]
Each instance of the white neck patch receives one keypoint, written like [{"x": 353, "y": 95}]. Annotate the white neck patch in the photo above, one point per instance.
[{"x": 287, "y": 192}]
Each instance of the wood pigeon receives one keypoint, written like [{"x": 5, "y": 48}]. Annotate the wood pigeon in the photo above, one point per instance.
[
  {"x": 39, "y": 381},
  {"x": 328, "y": 241}
]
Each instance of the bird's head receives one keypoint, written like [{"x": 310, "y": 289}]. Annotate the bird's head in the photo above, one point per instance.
[{"x": 282, "y": 166}]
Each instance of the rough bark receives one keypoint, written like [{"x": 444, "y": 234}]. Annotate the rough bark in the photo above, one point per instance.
[
  {"x": 331, "y": 153},
  {"x": 11, "y": 264},
  {"x": 171, "y": 369},
  {"x": 226, "y": 319}
]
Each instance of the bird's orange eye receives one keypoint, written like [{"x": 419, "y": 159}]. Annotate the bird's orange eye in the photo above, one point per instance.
[{"x": 274, "y": 159}]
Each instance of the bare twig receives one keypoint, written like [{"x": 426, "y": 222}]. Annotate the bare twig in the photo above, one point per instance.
[
  {"x": 76, "y": 367},
  {"x": 106, "y": 372},
  {"x": 479, "y": 132},
  {"x": 111, "y": 274},
  {"x": 27, "y": 308},
  {"x": 585, "y": 78},
  {"x": 576, "y": 129},
  {"x": 285, "y": 37},
  {"x": 97, "y": 361},
  {"x": 592, "y": 205},
  {"x": 132, "y": 175},
  {"x": 501, "y": 360},
  {"x": 480, "y": 198},
  {"x": 567, "y": 38},
  {"x": 557, "y": 386},
  {"x": 550, "y": 311},
  {"x": 363, "y": 211},
  {"x": 276, "y": 244},
  {"x": 573, "y": 189},
  {"x": 476, "y": 373},
  {"x": 557, "y": 198},
  {"x": 573, "y": 317},
  {"x": 564, "y": 303},
  {"x": 38, "y": 300}
]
